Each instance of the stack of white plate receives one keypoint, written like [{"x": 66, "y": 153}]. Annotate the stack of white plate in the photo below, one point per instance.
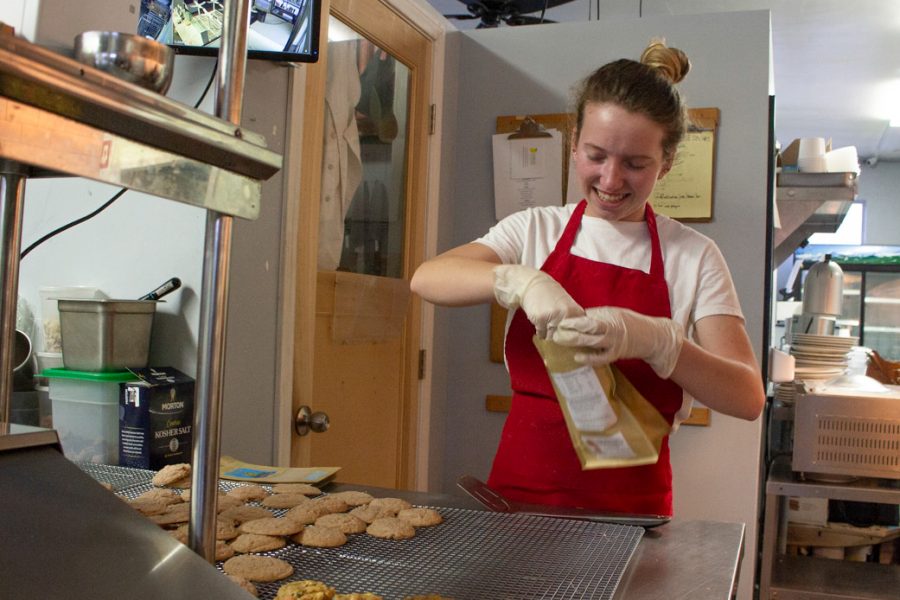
[{"x": 817, "y": 358}]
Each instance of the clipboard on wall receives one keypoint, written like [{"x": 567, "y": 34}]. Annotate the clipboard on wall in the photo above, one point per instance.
[
  {"x": 536, "y": 126},
  {"x": 686, "y": 192}
]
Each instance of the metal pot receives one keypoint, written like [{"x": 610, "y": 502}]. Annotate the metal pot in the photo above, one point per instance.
[
  {"x": 23, "y": 363},
  {"x": 823, "y": 289}
]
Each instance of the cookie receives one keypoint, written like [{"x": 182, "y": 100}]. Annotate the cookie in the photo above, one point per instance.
[
  {"x": 255, "y": 542},
  {"x": 421, "y": 516},
  {"x": 329, "y": 504},
  {"x": 272, "y": 526},
  {"x": 391, "y": 528},
  {"x": 148, "y": 506},
  {"x": 369, "y": 513},
  {"x": 175, "y": 513},
  {"x": 245, "y": 512},
  {"x": 258, "y": 568},
  {"x": 248, "y": 493},
  {"x": 181, "y": 484},
  {"x": 305, "y": 590},
  {"x": 224, "y": 502},
  {"x": 225, "y": 530},
  {"x": 170, "y": 474},
  {"x": 169, "y": 496},
  {"x": 353, "y": 497},
  {"x": 318, "y": 536},
  {"x": 344, "y": 522},
  {"x": 296, "y": 488},
  {"x": 244, "y": 584},
  {"x": 305, "y": 514},
  {"x": 284, "y": 500},
  {"x": 224, "y": 551},
  {"x": 179, "y": 534},
  {"x": 394, "y": 505}
]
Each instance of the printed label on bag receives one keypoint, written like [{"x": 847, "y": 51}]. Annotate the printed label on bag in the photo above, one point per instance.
[
  {"x": 584, "y": 396},
  {"x": 609, "y": 446}
]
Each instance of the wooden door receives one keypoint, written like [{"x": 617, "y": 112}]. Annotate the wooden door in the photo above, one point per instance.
[{"x": 362, "y": 220}]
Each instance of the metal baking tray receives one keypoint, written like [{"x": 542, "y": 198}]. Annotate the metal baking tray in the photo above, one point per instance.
[{"x": 471, "y": 555}]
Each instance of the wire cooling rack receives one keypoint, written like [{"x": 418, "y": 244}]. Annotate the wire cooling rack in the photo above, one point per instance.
[{"x": 472, "y": 555}]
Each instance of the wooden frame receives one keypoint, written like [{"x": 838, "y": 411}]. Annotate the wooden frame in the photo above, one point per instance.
[{"x": 686, "y": 192}]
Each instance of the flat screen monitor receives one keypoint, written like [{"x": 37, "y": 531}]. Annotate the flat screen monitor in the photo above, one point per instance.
[{"x": 284, "y": 30}]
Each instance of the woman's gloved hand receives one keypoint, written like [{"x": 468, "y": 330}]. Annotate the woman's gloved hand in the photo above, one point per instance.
[
  {"x": 609, "y": 333},
  {"x": 544, "y": 301}
]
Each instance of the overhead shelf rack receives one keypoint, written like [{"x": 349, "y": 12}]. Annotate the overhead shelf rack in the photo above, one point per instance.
[
  {"x": 810, "y": 203},
  {"x": 61, "y": 117}
]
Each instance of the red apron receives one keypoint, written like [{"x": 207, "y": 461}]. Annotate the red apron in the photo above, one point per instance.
[{"x": 535, "y": 462}]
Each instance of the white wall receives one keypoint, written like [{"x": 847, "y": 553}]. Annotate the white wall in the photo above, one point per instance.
[
  {"x": 879, "y": 188},
  {"x": 516, "y": 71}
]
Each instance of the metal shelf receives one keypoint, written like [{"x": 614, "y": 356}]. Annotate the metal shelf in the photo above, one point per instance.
[
  {"x": 808, "y": 578},
  {"x": 810, "y": 203},
  {"x": 60, "y": 117},
  {"x": 795, "y": 577},
  {"x": 784, "y": 482}
]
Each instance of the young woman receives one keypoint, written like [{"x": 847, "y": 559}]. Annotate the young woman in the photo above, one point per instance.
[{"x": 615, "y": 280}]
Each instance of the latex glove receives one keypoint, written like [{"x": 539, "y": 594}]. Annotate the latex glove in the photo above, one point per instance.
[
  {"x": 544, "y": 301},
  {"x": 609, "y": 333}
]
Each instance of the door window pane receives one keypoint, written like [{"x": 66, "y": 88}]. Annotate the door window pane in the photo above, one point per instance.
[{"x": 363, "y": 204}]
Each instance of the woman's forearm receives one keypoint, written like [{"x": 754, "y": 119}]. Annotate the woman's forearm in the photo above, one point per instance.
[
  {"x": 460, "y": 277},
  {"x": 718, "y": 368}
]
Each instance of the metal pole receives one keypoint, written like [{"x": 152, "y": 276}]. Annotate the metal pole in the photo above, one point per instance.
[
  {"x": 214, "y": 300},
  {"x": 12, "y": 194}
]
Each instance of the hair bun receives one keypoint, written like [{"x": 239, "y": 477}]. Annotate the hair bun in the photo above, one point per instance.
[{"x": 671, "y": 63}]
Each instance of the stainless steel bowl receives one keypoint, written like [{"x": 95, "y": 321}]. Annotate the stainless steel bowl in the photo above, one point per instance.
[{"x": 131, "y": 57}]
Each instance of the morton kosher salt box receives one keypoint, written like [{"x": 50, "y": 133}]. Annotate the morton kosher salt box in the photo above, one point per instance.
[{"x": 156, "y": 417}]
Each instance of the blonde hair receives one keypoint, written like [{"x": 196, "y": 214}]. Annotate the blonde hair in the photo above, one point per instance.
[{"x": 646, "y": 87}]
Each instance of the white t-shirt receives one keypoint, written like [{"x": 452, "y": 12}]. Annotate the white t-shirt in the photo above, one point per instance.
[{"x": 697, "y": 276}]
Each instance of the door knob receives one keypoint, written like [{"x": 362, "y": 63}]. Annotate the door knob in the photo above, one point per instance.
[{"x": 307, "y": 420}]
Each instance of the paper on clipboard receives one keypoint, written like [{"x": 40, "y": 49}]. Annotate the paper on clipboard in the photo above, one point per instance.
[{"x": 527, "y": 172}]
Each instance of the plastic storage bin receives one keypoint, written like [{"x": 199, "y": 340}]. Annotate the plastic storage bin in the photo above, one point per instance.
[{"x": 86, "y": 413}]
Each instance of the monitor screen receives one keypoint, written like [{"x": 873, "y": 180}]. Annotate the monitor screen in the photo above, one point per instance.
[{"x": 286, "y": 30}]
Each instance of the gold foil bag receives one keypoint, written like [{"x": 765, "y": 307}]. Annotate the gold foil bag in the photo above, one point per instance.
[{"x": 610, "y": 423}]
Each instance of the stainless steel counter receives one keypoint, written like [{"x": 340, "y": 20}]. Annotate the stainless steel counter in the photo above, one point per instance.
[
  {"x": 681, "y": 560},
  {"x": 62, "y": 535}
]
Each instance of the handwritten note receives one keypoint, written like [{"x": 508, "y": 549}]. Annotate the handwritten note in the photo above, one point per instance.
[{"x": 686, "y": 192}]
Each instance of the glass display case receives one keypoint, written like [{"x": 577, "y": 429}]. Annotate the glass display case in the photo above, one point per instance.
[{"x": 871, "y": 292}]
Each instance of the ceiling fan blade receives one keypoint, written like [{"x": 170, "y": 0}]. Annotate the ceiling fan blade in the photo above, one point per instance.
[
  {"x": 516, "y": 20},
  {"x": 461, "y": 17}
]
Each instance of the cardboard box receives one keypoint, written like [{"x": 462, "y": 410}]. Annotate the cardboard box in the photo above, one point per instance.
[{"x": 156, "y": 418}]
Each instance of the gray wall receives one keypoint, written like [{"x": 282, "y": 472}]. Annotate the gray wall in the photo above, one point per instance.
[{"x": 516, "y": 71}]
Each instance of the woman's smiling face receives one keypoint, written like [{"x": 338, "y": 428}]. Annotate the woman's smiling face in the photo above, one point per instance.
[{"x": 618, "y": 159}]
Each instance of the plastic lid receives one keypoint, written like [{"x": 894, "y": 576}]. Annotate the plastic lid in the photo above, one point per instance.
[{"x": 100, "y": 377}]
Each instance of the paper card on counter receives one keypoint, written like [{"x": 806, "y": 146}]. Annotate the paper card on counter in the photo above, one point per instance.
[
  {"x": 236, "y": 470},
  {"x": 527, "y": 172}
]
